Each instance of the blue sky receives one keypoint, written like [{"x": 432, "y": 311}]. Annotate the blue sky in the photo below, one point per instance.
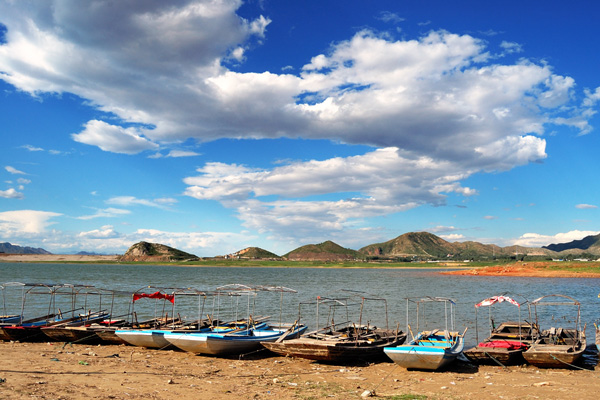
[{"x": 212, "y": 126}]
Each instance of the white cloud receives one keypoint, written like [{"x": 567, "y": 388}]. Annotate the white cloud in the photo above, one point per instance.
[
  {"x": 114, "y": 138},
  {"x": 538, "y": 240},
  {"x": 378, "y": 183},
  {"x": 105, "y": 232},
  {"x": 25, "y": 222},
  {"x": 134, "y": 201},
  {"x": 511, "y": 47},
  {"x": 585, "y": 206},
  {"x": 453, "y": 237},
  {"x": 441, "y": 228},
  {"x": 162, "y": 68},
  {"x": 105, "y": 213},
  {"x": 182, "y": 153},
  {"x": 439, "y": 107},
  {"x": 14, "y": 171},
  {"x": 11, "y": 194},
  {"x": 32, "y": 148},
  {"x": 387, "y": 16}
]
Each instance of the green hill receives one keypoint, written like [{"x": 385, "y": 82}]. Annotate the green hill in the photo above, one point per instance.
[
  {"x": 326, "y": 251},
  {"x": 144, "y": 251},
  {"x": 255, "y": 253}
]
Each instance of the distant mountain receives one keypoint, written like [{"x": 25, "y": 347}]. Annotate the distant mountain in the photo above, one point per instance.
[
  {"x": 144, "y": 251},
  {"x": 412, "y": 244},
  {"x": 14, "y": 249},
  {"x": 429, "y": 246},
  {"x": 326, "y": 251},
  {"x": 590, "y": 244},
  {"x": 254, "y": 253}
]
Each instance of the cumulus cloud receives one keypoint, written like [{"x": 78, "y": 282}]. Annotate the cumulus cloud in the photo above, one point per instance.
[
  {"x": 453, "y": 237},
  {"x": 538, "y": 240},
  {"x": 161, "y": 66},
  {"x": 105, "y": 232},
  {"x": 378, "y": 183},
  {"x": 438, "y": 107},
  {"x": 25, "y": 222},
  {"x": 11, "y": 194},
  {"x": 114, "y": 138}
]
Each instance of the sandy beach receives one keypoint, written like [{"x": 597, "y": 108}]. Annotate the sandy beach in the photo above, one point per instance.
[{"x": 59, "y": 371}]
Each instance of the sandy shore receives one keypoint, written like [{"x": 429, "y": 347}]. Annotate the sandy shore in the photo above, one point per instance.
[
  {"x": 58, "y": 371},
  {"x": 54, "y": 258}
]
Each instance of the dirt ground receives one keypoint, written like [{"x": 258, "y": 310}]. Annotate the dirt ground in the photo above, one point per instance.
[
  {"x": 544, "y": 269},
  {"x": 59, "y": 371}
]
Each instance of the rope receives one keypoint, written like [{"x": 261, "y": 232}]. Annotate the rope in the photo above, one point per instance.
[
  {"x": 571, "y": 365},
  {"x": 494, "y": 359},
  {"x": 384, "y": 378}
]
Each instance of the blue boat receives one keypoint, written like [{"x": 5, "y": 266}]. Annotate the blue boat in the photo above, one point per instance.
[
  {"x": 234, "y": 342},
  {"x": 431, "y": 349}
]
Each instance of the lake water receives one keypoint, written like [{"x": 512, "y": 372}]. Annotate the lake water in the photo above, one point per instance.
[{"x": 395, "y": 285}]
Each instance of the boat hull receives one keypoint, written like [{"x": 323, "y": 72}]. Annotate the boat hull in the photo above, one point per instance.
[
  {"x": 150, "y": 338},
  {"x": 211, "y": 343},
  {"x": 335, "y": 351},
  {"x": 428, "y": 351},
  {"x": 561, "y": 351},
  {"x": 494, "y": 356}
]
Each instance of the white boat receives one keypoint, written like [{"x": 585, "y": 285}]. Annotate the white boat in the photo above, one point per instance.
[{"x": 234, "y": 342}]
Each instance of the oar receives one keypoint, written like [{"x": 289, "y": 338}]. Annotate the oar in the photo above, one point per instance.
[{"x": 288, "y": 331}]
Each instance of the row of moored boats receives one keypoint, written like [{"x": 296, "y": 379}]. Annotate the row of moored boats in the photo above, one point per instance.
[{"x": 227, "y": 324}]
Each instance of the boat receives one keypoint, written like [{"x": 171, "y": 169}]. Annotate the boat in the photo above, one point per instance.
[
  {"x": 153, "y": 336},
  {"x": 340, "y": 343},
  {"x": 429, "y": 349},
  {"x": 232, "y": 342},
  {"x": 30, "y": 330},
  {"x": 507, "y": 342},
  {"x": 557, "y": 347},
  {"x": 245, "y": 337}
]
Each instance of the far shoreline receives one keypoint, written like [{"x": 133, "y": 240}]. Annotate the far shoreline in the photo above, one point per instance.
[{"x": 539, "y": 269}]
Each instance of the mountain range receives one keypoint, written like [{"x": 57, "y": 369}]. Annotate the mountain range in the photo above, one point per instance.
[
  {"x": 406, "y": 247},
  {"x": 14, "y": 249}
]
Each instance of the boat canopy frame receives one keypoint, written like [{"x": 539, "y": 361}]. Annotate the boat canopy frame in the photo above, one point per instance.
[{"x": 490, "y": 302}]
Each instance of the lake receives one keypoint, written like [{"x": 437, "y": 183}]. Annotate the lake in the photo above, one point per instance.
[{"x": 395, "y": 285}]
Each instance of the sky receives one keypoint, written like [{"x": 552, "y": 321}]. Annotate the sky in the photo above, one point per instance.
[{"x": 212, "y": 126}]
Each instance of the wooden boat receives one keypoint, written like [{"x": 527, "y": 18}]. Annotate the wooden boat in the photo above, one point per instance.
[
  {"x": 430, "y": 349},
  {"x": 557, "y": 347},
  {"x": 233, "y": 342},
  {"x": 339, "y": 345},
  {"x": 507, "y": 342},
  {"x": 343, "y": 342},
  {"x": 30, "y": 330}
]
